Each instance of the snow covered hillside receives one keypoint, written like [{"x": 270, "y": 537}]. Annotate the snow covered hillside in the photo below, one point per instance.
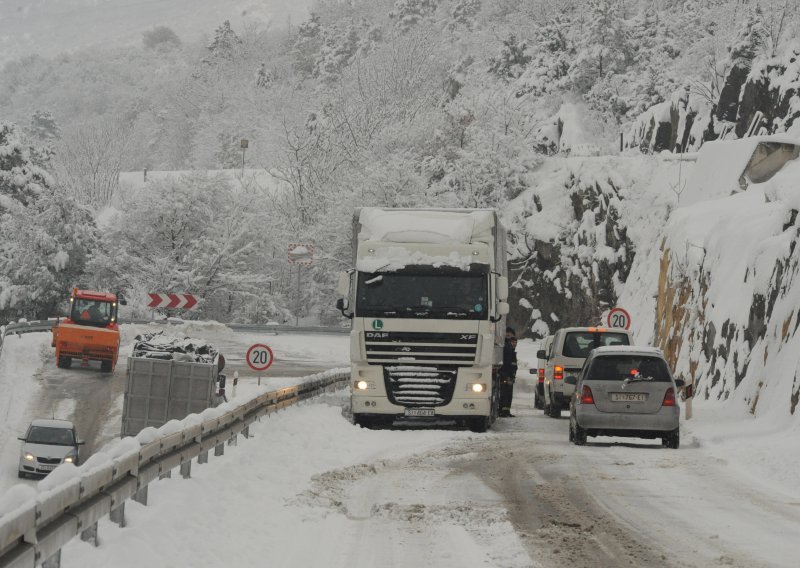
[{"x": 51, "y": 27}]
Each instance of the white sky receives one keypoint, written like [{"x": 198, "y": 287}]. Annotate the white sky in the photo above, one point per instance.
[{"x": 49, "y": 27}]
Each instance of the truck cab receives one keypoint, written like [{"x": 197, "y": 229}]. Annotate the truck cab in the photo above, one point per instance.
[
  {"x": 427, "y": 300},
  {"x": 90, "y": 332}
]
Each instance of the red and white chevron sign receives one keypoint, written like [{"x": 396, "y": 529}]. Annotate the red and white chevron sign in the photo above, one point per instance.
[{"x": 183, "y": 301}]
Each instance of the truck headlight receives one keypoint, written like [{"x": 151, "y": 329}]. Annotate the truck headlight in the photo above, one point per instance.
[
  {"x": 29, "y": 457},
  {"x": 362, "y": 385},
  {"x": 477, "y": 387}
]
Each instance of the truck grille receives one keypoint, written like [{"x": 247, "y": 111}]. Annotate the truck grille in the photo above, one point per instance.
[
  {"x": 414, "y": 348},
  {"x": 420, "y": 386}
]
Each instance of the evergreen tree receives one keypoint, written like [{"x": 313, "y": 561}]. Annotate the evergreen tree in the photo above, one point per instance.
[
  {"x": 409, "y": 13},
  {"x": 225, "y": 42},
  {"x": 512, "y": 59},
  {"x": 43, "y": 127}
]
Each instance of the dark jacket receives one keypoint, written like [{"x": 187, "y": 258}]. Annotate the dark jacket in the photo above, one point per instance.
[{"x": 509, "y": 368}]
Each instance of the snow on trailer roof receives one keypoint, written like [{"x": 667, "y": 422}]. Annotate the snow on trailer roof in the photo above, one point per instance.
[{"x": 432, "y": 226}]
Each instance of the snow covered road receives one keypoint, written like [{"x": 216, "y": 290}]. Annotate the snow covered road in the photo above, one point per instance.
[
  {"x": 34, "y": 387},
  {"x": 310, "y": 489}
]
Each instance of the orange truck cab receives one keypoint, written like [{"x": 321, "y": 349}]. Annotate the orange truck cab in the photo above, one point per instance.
[{"x": 90, "y": 332}]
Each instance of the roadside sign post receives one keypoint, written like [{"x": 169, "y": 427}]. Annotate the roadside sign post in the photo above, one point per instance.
[
  {"x": 259, "y": 358},
  {"x": 619, "y": 318}
]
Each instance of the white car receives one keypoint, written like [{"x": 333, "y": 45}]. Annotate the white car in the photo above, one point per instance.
[{"x": 46, "y": 445}]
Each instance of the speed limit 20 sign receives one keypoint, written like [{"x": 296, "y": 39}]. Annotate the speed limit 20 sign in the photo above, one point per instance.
[
  {"x": 259, "y": 357},
  {"x": 619, "y": 318}
]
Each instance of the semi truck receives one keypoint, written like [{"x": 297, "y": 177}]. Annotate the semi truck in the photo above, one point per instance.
[
  {"x": 90, "y": 332},
  {"x": 427, "y": 302}
]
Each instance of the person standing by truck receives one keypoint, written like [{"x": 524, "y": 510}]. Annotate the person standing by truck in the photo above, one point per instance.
[{"x": 508, "y": 373}]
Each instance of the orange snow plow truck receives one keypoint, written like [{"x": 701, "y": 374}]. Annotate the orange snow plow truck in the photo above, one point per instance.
[{"x": 90, "y": 332}]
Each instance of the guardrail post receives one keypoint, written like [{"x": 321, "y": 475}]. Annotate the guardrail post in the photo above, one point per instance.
[
  {"x": 166, "y": 475},
  {"x": 233, "y": 440},
  {"x": 90, "y": 535},
  {"x": 118, "y": 515},
  {"x": 219, "y": 450},
  {"x": 203, "y": 457},
  {"x": 141, "y": 496},
  {"x": 186, "y": 469},
  {"x": 53, "y": 562},
  {"x": 246, "y": 432}
]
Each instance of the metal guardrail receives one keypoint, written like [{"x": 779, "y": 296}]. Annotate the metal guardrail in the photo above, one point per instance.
[
  {"x": 46, "y": 325},
  {"x": 35, "y": 532},
  {"x": 24, "y": 327}
]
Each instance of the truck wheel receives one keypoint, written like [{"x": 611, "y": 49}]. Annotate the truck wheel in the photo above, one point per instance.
[
  {"x": 479, "y": 425},
  {"x": 64, "y": 362},
  {"x": 106, "y": 367}
]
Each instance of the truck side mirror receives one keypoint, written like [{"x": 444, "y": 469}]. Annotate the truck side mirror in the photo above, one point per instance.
[
  {"x": 502, "y": 308},
  {"x": 342, "y": 305},
  {"x": 679, "y": 383},
  {"x": 541, "y": 354},
  {"x": 343, "y": 286},
  {"x": 502, "y": 288}
]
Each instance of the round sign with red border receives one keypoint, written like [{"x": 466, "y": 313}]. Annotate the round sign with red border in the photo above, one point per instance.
[
  {"x": 619, "y": 318},
  {"x": 259, "y": 357}
]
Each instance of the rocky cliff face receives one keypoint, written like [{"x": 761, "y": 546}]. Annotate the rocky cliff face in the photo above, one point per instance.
[
  {"x": 762, "y": 97},
  {"x": 729, "y": 295},
  {"x": 572, "y": 242}
]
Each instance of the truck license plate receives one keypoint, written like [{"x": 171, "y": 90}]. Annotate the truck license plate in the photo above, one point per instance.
[{"x": 419, "y": 412}]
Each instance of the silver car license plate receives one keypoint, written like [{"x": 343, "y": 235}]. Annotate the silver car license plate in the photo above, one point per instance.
[
  {"x": 628, "y": 397},
  {"x": 46, "y": 467},
  {"x": 419, "y": 412}
]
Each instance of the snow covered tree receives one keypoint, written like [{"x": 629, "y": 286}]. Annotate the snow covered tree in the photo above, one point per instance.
[
  {"x": 338, "y": 48},
  {"x": 45, "y": 236},
  {"x": 409, "y": 13},
  {"x": 160, "y": 37},
  {"x": 22, "y": 177},
  {"x": 306, "y": 44},
  {"x": 463, "y": 14},
  {"x": 512, "y": 59},
  {"x": 604, "y": 47},
  {"x": 225, "y": 43},
  {"x": 91, "y": 157},
  {"x": 43, "y": 127}
]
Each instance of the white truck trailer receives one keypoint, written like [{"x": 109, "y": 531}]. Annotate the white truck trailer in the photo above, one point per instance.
[{"x": 427, "y": 299}]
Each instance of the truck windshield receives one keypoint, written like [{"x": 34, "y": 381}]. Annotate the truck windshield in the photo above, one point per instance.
[
  {"x": 459, "y": 295},
  {"x": 580, "y": 343},
  {"x": 91, "y": 312}
]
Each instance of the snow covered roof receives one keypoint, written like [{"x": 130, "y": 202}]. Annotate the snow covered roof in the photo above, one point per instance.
[
  {"x": 48, "y": 423},
  {"x": 629, "y": 350},
  {"x": 435, "y": 226}
]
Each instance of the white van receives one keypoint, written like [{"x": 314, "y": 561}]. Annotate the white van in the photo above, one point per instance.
[{"x": 567, "y": 353}]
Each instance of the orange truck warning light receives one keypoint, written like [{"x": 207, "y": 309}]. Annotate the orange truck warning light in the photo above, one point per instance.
[{"x": 90, "y": 332}]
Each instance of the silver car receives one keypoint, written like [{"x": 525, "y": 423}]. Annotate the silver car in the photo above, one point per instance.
[
  {"x": 625, "y": 391},
  {"x": 46, "y": 445}
]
